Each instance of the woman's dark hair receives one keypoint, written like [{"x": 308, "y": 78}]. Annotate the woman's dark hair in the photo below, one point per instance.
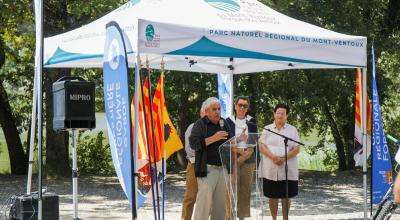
[
  {"x": 242, "y": 98},
  {"x": 281, "y": 105}
]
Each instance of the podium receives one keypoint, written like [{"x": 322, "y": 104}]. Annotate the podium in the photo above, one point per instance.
[{"x": 240, "y": 158}]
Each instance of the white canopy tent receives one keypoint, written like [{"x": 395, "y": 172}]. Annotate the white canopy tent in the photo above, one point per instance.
[
  {"x": 201, "y": 36},
  {"x": 213, "y": 36}
]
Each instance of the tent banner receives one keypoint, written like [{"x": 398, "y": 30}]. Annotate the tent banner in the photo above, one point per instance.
[
  {"x": 381, "y": 162},
  {"x": 225, "y": 94},
  {"x": 161, "y": 38},
  {"x": 117, "y": 104}
]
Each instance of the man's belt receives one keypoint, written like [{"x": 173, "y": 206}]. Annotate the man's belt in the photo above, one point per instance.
[{"x": 214, "y": 166}]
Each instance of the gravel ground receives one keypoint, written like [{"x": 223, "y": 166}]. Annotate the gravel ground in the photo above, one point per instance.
[{"x": 321, "y": 196}]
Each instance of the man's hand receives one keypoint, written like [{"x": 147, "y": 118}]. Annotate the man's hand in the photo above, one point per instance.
[
  {"x": 396, "y": 190},
  {"x": 220, "y": 135},
  {"x": 244, "y": 155},
  {"x": 242, "y": 137}
]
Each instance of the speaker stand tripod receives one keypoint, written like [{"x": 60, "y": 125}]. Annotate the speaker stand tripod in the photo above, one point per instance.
[{"x": 74, "y": 176}]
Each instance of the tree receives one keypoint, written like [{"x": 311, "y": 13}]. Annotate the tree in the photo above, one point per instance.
[
  {"x": 18, "y": 158},
  {"x": 62, "y": 16},
  {"x": 13, "y": 44}
]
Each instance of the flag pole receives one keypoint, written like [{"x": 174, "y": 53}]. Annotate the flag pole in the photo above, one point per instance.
[
  {"x": 164, "y": 160},
  {"x": 372, "y": 134},
  {"x": 39, "y": 88},
  {"x": 146, "y": 126},
  {"x": 155, "y": 176},
  {"x": 135, "y": 136},
  {"x": 364, "y": 136}
]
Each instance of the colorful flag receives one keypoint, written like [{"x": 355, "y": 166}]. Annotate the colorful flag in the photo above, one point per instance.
[
  {"x": 158, "y": 118},
  {"x": 142, "y": 152},
  {"x": 150, "y": 124},
  {"x": 381, "y": 162},
  {"x": 164, "y": 128},
  {"x": 144, "y": 169},
  {"x": 172, "y": 142},
  {"x": 358, "y": 148}
]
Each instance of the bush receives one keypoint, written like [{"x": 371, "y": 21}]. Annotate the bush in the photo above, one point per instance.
[{"x": 94, "y": 157}]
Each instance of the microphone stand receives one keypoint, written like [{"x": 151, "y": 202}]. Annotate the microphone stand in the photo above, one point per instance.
[{"x": 286, "y": 139}]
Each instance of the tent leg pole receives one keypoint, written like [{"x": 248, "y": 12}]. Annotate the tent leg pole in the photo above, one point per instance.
[
  {"x": 33, "y": 134},
  {"x": 364, "y": 138}
]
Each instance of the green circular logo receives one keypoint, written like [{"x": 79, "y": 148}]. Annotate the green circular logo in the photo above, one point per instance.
[{"x": 149, "y": 32}]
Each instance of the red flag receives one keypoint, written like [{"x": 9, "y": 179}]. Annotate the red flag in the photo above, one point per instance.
[
  {"x": 142, "y": 140},
  {"x": 158, "y": 103},
  {"x": 358, "y": 149}
]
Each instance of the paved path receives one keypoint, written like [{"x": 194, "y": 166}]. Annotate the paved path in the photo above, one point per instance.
[{"x": 321, "y": 196}]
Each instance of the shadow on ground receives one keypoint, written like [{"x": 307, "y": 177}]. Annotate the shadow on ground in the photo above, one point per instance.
[{"x": 322, "y": 195}]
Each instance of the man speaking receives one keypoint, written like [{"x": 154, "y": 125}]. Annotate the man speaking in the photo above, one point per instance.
[{"x": 207, "y": 135}]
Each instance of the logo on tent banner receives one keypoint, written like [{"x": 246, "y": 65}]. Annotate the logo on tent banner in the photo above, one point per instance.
[
  {"x": 149, "y": 32},
  {"x": 113, "y": 58},
  {"x": 224, "y": 5},
  {"x": 129, "y": 4},
  {"x": 152, "y": 39}
]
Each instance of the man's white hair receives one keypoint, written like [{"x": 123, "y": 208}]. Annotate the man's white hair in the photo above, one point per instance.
[
  {"x": 203, "y": 107},
  {"x": 206, "y": 104}
]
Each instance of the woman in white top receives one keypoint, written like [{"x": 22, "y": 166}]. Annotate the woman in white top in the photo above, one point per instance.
[
  {"x": 272, "y": 165},
  {"x": 241, "y": 123}
]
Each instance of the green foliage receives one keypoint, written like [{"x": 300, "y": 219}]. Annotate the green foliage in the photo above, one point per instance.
[
  {"x": 330, "y": 160},
  {"x": 94, "y": 157},
  {"x": 172, "y": 164}
]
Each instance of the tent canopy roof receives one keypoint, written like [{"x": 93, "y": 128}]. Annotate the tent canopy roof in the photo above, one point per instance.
[{"x": 216, "y": 36}]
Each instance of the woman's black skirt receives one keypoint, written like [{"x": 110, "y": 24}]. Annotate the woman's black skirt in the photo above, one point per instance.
[{"x": 277, "y": 189}]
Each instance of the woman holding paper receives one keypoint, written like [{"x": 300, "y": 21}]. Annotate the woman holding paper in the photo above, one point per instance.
[
  {"x": 272, "y": 164},
  {"x": 243, "y": 124}
]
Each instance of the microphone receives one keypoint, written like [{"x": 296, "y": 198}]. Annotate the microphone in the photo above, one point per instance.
[
  {"x": 390, "y": 137},
  {"x": 221, "y": 123}
]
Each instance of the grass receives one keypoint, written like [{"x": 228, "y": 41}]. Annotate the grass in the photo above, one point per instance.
[
  {"x": 4, "y": 160},
  {"x": 311, "y": 162}
]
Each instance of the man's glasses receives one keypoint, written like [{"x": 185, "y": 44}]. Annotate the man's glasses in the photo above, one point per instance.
[{"x": 243, "y": 105}]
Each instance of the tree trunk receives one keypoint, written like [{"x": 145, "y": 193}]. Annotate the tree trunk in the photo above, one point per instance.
[
  {"x": 18, "y": 158},
  {"x": 349, "y": 137},
  {"x": 336, "y": 136},
  {"x": 57, "y": 153}
]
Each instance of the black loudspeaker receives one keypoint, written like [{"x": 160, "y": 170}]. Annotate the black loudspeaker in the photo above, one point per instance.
[
  {"x": 25, "y": 207},
  {"x": 73, "y": 104}
]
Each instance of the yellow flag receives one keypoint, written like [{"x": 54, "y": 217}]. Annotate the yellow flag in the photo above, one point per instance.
[
  {"x": 172, "y": 141},
  {"x": 165, "y": 132}
]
